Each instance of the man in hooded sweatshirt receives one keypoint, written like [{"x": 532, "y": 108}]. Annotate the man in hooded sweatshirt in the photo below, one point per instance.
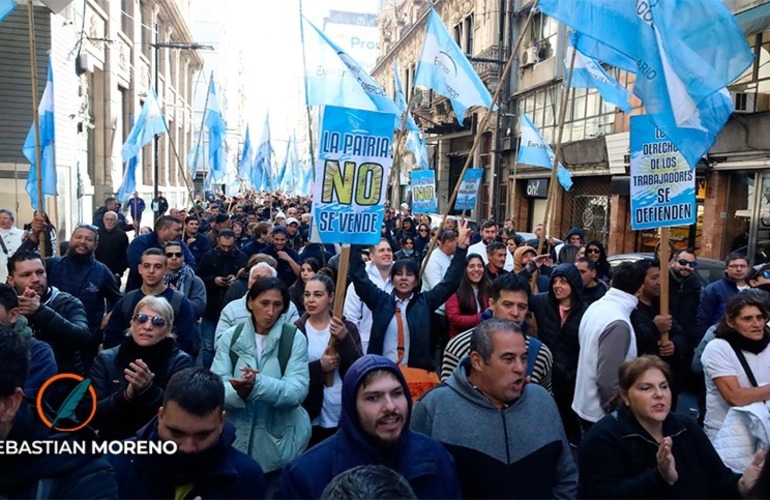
[
  {"x": 374, "y": 430},
  {"x": 558, "y": 312},
  {"x": 522, "y": 451}
]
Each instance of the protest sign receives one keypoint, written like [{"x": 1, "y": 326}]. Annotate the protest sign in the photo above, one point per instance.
[
  {"x": 351, "y": 174},
  {"x": 662, "y": 183},
  {"x": 423, "y": 191},
  {"x": 469, "y": 188}
]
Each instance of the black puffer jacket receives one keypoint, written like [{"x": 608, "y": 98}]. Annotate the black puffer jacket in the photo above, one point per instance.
[
  {"x": 684, "y": 299},
  {"x": 117, "y": 417},
  {"x": 561, "y": 339}
]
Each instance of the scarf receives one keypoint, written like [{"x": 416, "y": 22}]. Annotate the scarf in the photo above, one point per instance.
[
  {"x": 180, "y": 278},
  {"x": 738, "y": 341}
]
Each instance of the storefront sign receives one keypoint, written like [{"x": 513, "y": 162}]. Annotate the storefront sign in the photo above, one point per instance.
[{"x": 537, "y": 188}]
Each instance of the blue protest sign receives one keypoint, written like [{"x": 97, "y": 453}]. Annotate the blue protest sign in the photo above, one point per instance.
[
  {"x": 423, "y": 191},
  {"x": 469, "y": 188},
  {"x": 351, "y": 175},
  {"x": 662, "y": 184}
]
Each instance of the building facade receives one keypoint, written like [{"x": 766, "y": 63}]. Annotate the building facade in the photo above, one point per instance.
[{"x": 103, "y": 62}]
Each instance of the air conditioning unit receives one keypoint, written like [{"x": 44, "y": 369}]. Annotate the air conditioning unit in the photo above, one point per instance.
[
  {"x": 528, "y": 56},
  {"x": 744, "y": 102}
]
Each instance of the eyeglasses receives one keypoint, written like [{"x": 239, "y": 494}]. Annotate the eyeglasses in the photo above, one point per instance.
[
  {"x": 593, "y": 250},
  {"x": 684, "y": 262},
  {"x": 170, "y": 255},
  {"x": 157, "y": 321},
  {"x": 766, "y": 274}
]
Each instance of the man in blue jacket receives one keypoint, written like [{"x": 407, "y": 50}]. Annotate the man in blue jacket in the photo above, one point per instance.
[
  {"x": 167, "y": 228},
  {"x": 374, "y": 430},
  {"x": 206, "y": 465},
  {"x": 714, "y": 296}
]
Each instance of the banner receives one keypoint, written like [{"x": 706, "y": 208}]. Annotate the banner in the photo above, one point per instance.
[
  {"x": 469, "y": 188},
  {"x": 355, "y": 154},
  {"x": 662, "y": 184},
  {"x": 423, "y": 191}
]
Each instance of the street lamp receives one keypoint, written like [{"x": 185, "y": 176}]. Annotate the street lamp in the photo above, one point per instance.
[{"x": 157, "y": 46}]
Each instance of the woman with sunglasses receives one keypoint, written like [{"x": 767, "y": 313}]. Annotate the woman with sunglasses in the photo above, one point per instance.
[
  {"x": 422, "y": 239},
  {"x": 595, "y": 251},
  {"x": 130, "y": 379},
  {"x": 264, "y": 365},
  {"x": 324, "y": 403}
]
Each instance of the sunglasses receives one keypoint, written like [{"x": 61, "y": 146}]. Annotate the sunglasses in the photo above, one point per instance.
[
  {"x": 90, "y": 227},
  {"x": 156, "y": 320},
  {"x": 766, "y": 274},
  {"x": 170, "y": 255},
  {"x": 423, "y": 230},
  {"x": 684, "y": 263},
  {"x": 593, "y": 250}
]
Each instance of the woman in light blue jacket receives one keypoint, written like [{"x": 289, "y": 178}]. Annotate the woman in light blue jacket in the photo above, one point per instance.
[{"x": 263, "y": 362}]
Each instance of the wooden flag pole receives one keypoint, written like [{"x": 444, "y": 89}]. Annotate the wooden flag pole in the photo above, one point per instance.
[
  {"x": 339, "y": 304},
  {"x": 663, "y": 255},
  {"x": 479, "y": 132},
  {"x": 36, "y": 125}
]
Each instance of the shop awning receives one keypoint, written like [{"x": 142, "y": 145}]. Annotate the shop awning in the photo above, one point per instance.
[{"x": 754, "y": 20}]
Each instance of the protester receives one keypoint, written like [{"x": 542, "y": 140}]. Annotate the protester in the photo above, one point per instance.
[
  {"x": 112, "y": 247},
  {"x": 596, "y": 252},
  {"x": 55, "y": 317},
  {"x": 368, "y": 481},
  {"x": 264, "y": 365},
  {"x": 374, "y": 430},
  {"x": 167, "y": 229},
  {"x": 130, "y": 379},
  {"x": 206, "y": 464},
  {"x": 488, "y": 391},
  {"x": 182, "y": 278},
  {"x": 136, "y": 206},
  {"x": 464, "y": 308},
  {"x": 644, "y": 450},
  {"x": 323, "y": 402},
  {"x": 10, "y": 240},
  {"x": 714, "y": 296},
  {"x": 422, "y": 239},
  {"x": 307, "y": 270},
  {"x": 40, "y": 226},
  {"x": 593, "y": 289},
  {"x": 240, "y": 286},
  {"x": 288, "y": 260},
  {"x": 32, "y": 475},
  {"x": 196, "y": 242}
]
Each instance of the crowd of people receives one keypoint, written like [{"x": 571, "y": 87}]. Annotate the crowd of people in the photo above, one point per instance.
[{"x": 481, "y": 368}]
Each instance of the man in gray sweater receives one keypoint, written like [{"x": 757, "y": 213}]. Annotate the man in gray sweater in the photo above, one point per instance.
[{"x": 523, "y": 452}]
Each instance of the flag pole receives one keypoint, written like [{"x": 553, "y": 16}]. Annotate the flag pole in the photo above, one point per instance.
[
  {"x": 480, "y": 131},
  {"x": 36, "y": 122},
  {"x": 664, "y": 257},
  {"x": 395, "y": 177},
  {"x": 553, "y": 189},
  {"x": 178, "y": 160},
  {"x": 339, "y": 305},
  {"x": 200, "y": 132}
]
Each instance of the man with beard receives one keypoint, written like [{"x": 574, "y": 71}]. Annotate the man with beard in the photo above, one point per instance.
[
  {"x": 113, "y": 243},
  {"x": 374, "y": 430},
  {"x": 55, "y": 317},
  {"x": 488, "y": 386},
  {"x": 82, "y": 276},
  {"x": 715, "y": 295},
  {"x": 206, "y": 465},
  {"x": 684, "y": 291},
  {"x": 197, "y": 243},
  {"x": 288, "y": 260},
  {"x": 488, "y": 235}
]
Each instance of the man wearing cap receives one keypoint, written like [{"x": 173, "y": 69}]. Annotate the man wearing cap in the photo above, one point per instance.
[
  {"x": 295, "y": 241},
  {"x": 405, "y": 211},
  {"x": 374, "y": 430},
  {"x": 288, "y": 260}
]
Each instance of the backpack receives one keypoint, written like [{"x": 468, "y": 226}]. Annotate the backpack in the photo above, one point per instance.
[
  {"x": 128, "y": 302},
  {"x": 288, "y": 331}
]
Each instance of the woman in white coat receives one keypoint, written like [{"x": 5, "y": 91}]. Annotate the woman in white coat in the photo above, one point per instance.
[{"x": 263, "y": 363}]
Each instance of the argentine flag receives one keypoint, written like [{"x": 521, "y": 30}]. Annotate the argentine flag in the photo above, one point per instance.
[
  {"x": 333, "y": 78},
  {"x": 415, "y": 141},
  {"x": 535, "y": 151},
  {"x": 47, "y": 140},
  {"x": 684, "y": 54},
  {"x": 262, "y": 175},
  {"x": 217, "y": 134},
  {"x": 444, "y": 68},
  {"x": 248, "y": 156},
  {"x": 588, "y": 74},
  {"x": 6, "y": 8},
  {"x": 149, "y": 123}
]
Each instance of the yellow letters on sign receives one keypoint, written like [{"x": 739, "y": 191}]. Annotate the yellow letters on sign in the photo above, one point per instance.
[{"x": 336, "y": 181}]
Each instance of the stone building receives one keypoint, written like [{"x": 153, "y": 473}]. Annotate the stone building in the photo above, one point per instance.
[{"x": 103, "y": 63}]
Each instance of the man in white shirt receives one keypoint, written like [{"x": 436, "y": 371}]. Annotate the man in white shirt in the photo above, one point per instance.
[
  {"x": 378, "y": 270},
  {"x": 439, "y": 260},
  {"x": 11, "y": 237},
  {"x": 488, "y": 235}
]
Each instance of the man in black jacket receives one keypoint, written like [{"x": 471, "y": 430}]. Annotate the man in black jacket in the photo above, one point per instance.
[
  {"x": 218, "y": 270},
  {"x": 55, "y": 317},
  {"x": 28, "y": 475},
  {"x": 111, "y": 205},
  {"x": 288, "y": 260},
  {"x": 206, "y": 465},
  {"x": 112, "y": 247},
  {"x": 684, "y": 291}
]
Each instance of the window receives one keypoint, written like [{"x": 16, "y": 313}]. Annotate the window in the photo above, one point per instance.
[
  {"x": 543, "y": 34},
  {"x": 458, "y": 34},
  {"x": 468, "y": 48}
]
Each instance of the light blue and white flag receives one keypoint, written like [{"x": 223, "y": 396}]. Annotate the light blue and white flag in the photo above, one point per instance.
[
  {"x": 415, "y": 140},
  {"x": 248, "y": 157},
  {"x": 686, "y": 53},
  {"x": 533, "y": 150},
  {"x": 217, "y": 135},
  {"x": 48, "y": 168},
  {"x": 286, "y": 177},
  {"x": 262, "y": 179},
  {"x": 128, "y": 184},
  {"x": 588, "y": 74},
  {"x": 196, "y": 159},
  {"x": 332, "y": 77},
  {"x": 6, "y": 8},
  {"x": 149, "y": 123},
  {"x": 444, "y": 68}
]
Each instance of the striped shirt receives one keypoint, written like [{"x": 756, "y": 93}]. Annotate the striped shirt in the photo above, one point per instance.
[{"x": 460, "y": 346}]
